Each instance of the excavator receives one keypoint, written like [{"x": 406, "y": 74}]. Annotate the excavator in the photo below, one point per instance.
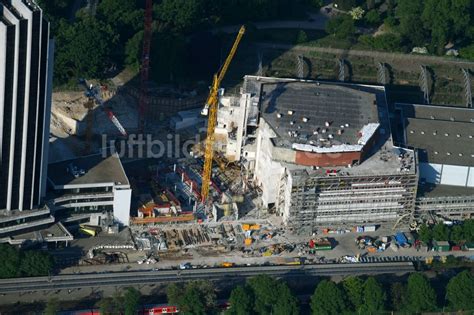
[{"x": 210, "y": 109}]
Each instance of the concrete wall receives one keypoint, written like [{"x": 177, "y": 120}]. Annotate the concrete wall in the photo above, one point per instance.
[
  {"x": 267, "y": 171},
  {"x": 122, "y": 200}
]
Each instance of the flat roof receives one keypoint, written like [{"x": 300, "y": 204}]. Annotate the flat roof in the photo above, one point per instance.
[
  {"x": 389, "y": 160},
  {"x": 304, "y": 108},
  {"x": 443, "y": 135},
  {"x": 437, "y": 112},
  {"x": 436, "y": 190},
  {"x": 98, "y": 170}
]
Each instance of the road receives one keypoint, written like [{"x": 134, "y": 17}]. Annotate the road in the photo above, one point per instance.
[{"x": 117, "y": 279}]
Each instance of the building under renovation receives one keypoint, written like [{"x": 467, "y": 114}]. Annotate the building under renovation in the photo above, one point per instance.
[{"x": 321, "y": 152}]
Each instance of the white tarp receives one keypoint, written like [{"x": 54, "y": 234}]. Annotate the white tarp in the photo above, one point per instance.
[{"x": 454, "y": 175}]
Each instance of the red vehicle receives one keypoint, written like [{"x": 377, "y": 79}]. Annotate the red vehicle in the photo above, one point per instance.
[{"x": 158, "y": 309}]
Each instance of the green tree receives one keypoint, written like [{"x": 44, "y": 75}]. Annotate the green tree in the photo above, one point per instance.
[
  {"x": 411, "y": 26},
  {"x": 345, "y": 5},
  {"x": 398, "y": 296},
  {"x": 287, "y": 303},
  {"x": 83, "y": 49},
  {"x": 460, "y": 291},
  {"x": 341, "y": 27},
  {"x": 467, "y": 52},
  {"x": 316, "y": 4},
  {"x": 180, "y": 15},
  {"x": 441, "y": 232},
  {"x": 420, "y": 295},
  {"x": 263, "y": 288},
  {"x": 328, "y": 299},
  {"x": 425, "y": 233},
  {"x": 301, "y": 37},
  {"x": 446, "y": 20},
  {"x": 354, "y": 288},
  {"x": 373, "y": 17},
  {"x": 468, "y": 225},
  {"x": 9, "y": 262},
  {"x": 241, "y": 301},
  {"x": 52, "y": 307},
  {"x": 370, "y": 4},
  {"x": 35, "y": 263},
  {"x": 107, "y": 306},
  {"x": 133, "y": 50},
  {"x": 131, "y": 300},
  {"x": 272, "y": 296},
  {"x": 457, "y": 233},
  {"x": 196, "y": 297},
  {"x": 374, "y": 296}
]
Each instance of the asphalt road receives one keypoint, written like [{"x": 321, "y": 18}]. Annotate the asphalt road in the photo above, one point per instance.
[{"x": 69, "y": 282}]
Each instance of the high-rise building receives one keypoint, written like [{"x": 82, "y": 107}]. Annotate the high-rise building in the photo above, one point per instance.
[{"x": 26, "y": 62}]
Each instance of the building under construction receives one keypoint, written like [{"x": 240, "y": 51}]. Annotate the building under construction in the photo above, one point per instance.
[{"x": 321, "y": 152}]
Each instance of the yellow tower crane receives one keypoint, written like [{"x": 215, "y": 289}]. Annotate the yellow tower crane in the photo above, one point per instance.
[{"x": 211, "y": 108}]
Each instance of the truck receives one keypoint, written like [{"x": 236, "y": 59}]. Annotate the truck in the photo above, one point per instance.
[
  {"x": 322, "y": 244},
  {"x": 227, "y": 264}
]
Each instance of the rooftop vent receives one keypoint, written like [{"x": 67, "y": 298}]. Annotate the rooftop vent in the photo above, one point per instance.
[
  {"x": 346, "y": 125},
  {"x": 451, "y": 118},
  {"x": 304, "y": 119},
  {"x": 327, "y": 123},
  {"x": 279, "y": 115},
  {"x": 448, "y": 153},
  {"x": 323, "y": 130},
  {"x": 435, "y": 152},
  {"x": 435, "y": 133},
  {"x": 446, "y": 134},
  {"x": 470, "y": 137},
  {"x": 290, "y": 112},
  {"x": 422, "y": 132},
  {"x": 458, "y": 135},
  {"x": 411, "y": 131},
  {"x": 460, "y": 154},
  {"x": 342, "y": 126},
  {"x": 292, "y": 122},
  {"x": 330, "y": 136}
]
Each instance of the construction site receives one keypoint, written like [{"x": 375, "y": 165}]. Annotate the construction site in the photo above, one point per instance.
[{"x": 266, "y": 162}]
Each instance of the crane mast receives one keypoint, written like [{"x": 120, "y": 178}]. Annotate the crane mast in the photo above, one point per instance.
[{"x": 211, "y": 107}]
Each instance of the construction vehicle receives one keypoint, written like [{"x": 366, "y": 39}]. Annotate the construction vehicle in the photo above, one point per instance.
[
  {"x": 227, "y": 264},
  {"x": 94, "y": 93},
  {"x": 210, "y": 109},
  {"x": 90, "y": 229}
]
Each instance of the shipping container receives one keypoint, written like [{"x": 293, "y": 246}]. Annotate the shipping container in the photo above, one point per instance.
[
  {"x": 468, "y": 246},
  {"x": 401, "y": 239},
  {"x": 441, "y": 246},
  {"x": 370, "y": 228}
]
